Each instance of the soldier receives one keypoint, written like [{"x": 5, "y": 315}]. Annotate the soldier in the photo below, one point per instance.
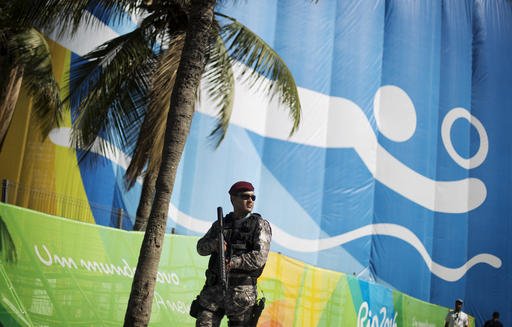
[{"x": 247, "y": 243}]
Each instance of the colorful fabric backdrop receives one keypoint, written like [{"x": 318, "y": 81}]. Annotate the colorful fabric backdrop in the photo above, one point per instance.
[
  {"x": 83, "y": 278},
  {"x": 399, "y": 173}
]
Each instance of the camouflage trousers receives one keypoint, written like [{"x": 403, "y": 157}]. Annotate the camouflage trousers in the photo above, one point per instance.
[{"x": 237, "y": 305}]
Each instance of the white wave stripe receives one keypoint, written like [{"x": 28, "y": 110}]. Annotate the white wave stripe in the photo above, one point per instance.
[
  {"x": 189, "y": 222},
  {"x": 314, "y": 245},
  {"x": 329, "y": 122},
  {"x": 60, "y": 137},
  {"x": 334, "y": 122}
]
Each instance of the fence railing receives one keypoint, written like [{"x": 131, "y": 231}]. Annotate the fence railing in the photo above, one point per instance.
[{"x": 61, "y": 205}]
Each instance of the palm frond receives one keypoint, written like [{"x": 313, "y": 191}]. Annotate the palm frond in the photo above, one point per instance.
[
  {"x": 11, "y": 77},
  {"x": 261, "y": 62},
  {"x": 71, "y": 14},
  {"x": 3, "y": 36},
  {"x": 148, "y": 151},
  {"x": 8, "y": 251},
  {"x": 30, "y": 49},
  {"x": 108, "y": 87},
  {"x": 220, "y": 86}
]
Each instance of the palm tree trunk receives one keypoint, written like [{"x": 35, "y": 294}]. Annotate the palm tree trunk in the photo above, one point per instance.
[
  {"x": 178, "y": 124},
  {"x": 9, "y": 92},
  {"x": 146, "y": 201}
]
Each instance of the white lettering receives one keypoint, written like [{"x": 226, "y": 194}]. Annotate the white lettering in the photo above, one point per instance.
[
  {"x": 375, "y": 321},
  {"x": 416, "y": 323},
  {"x": 361, "y": 317},
  {"x": 169, "y": 278},
  {"x": 177, "y": 306},
  {"x": 366, "y": 319},
  {"x": 117, "y": 270},
  {"x": 48, "y": 259},
  {"x": 175, "y": 279},
  {"x": 159, "y": 301},
  {"x": 90, "y": 266},
  {"x": 47, "y": 262},
  {"x": 130, "y": 272},
  {"x": 65, "y": 262},
  {"x": 106, "y": 269}
]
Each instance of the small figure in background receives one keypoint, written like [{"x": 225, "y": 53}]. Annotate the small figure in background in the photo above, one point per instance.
[
  {"x": 495, "y": 321},
  {"x": 456, "y": 317}
]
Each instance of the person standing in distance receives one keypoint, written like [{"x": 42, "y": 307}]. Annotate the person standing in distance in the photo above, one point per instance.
[
  {"x": 456, "y": 317},
  {"x": 247, "y": 244},
  {"x": 495, "y": 321}
]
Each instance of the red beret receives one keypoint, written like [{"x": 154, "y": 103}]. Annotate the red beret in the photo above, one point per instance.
[{"x": 240, "y": 186}]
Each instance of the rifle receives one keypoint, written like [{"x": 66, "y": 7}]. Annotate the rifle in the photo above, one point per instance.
[
  {"x": 257, "y": 309},
  {"x": 195, "y": 306},
  {"x": 222, "y": 254}
]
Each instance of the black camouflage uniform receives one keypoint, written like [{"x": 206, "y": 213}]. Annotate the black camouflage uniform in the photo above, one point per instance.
[{"x": 248, "y": 245}]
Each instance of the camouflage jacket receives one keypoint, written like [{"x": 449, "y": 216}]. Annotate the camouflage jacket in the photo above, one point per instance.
[{"x": 248, "y": 244}]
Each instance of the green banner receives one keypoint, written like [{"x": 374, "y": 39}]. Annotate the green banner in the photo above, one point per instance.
[{"x": 60, "y": 272}]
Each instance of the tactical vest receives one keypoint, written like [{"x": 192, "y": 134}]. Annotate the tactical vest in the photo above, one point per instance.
[{"x": 240, "y": 237}]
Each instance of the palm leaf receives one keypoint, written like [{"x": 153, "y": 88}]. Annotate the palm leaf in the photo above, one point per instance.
[
  {"x": 11, "y": 77},
  {"x": 8, "y": 251},
  {"x": 5, "y": 31},
  {"x": 30, "y": 49},
  {"x": 108, "y": 89},
  {"x": 72, "y": 13},
  {"x": 261, "y": 66},
  {"x": 220, "y": 86},
  {"x": 148, "y": 150}
]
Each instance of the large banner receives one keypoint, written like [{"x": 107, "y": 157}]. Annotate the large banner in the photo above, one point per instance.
[
  {"x": 399, "y": 173},
  {"x": 59, "y": 272}
]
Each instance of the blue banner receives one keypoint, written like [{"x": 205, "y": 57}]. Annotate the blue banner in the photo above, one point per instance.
[{"x": 400, "y": 170}]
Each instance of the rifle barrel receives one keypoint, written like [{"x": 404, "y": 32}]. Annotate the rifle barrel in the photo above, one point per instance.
[{"x": 222, "y": 255}]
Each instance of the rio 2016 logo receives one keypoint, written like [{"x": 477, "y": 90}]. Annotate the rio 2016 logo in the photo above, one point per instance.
[{"x": 365, "y": 318}]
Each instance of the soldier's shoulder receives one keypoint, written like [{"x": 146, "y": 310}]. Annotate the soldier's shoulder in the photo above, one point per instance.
[
  {"x": 215, "y": 225},
  {"x": 258, "y": 217},
  {"x": 261, "y": 221}
]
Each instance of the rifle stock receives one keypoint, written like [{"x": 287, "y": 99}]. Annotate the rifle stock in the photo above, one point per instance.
[{"x": 222, "y": 254}]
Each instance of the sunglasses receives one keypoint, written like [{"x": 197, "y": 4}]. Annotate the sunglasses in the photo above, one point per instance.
[{"x": 246, "y": 196}]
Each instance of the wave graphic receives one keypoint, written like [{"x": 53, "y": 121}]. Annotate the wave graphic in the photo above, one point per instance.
[
  {"x": 392, "y": 230},
  {"x": 61, "y": 137},
  {"x": 334, "y": 122},
  {"x": 300, "y": 244}
]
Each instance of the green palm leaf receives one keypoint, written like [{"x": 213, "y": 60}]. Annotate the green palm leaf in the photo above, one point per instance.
[
  {"x": 220, "y": 86},
  {"x": 8, "y": 251},
  {"x": 109, "y": 87},
  {"x": 261, "y": 62},
  {"x": 72, "y": 13},
  {"x": 29, "y": 49},
  {"x": 148, "y": 150}
]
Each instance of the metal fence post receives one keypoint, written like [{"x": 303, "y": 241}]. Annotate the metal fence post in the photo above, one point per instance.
[
  {"x": 5, "y": 186},
  {"x": 120, "y": 218}
]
